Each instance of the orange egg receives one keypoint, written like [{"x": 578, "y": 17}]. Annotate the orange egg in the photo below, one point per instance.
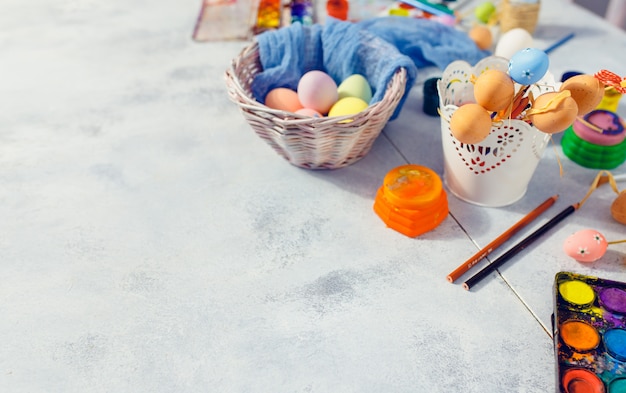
[
  {"x": 553, "y": 112},
  {"x": 586, "y": 90},
  {"x": 494, "y": 90},
  {"x": 283, "y": 99},
  {"x": 618, "y": 208},
  {"x": 481, "y": 35},
  {"x": 470, "y": 124}
]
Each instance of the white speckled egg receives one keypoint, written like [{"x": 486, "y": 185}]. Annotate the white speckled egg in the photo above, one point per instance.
[
  {"x": 587, "y": 245},
  {"x": 318, "y": 91}
]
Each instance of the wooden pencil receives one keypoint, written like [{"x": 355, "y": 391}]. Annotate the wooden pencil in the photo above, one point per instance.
[
  {"x": 497, "y": 242},
  {"x": 519, "y": 246}
]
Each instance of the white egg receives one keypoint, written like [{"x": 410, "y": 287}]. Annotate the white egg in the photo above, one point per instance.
[{"x": 512, "y": 42}]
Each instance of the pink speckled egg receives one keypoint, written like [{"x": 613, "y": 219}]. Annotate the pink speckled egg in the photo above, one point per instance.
[
  {"x": 318, "y": 91},
  {"x": 587, "y": 245}
]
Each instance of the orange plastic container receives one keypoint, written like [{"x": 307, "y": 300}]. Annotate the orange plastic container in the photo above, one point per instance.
[{"x": 411, "y": 200}]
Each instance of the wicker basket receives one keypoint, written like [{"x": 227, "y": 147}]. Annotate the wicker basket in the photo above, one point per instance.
[{"x": 313, "y": 143}]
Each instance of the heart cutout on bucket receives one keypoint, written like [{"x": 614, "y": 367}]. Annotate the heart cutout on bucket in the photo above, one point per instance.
[{"x": 481, "y": 158}]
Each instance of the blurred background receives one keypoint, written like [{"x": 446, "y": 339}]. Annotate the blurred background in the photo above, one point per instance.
[{"x": 614, "y": 11}]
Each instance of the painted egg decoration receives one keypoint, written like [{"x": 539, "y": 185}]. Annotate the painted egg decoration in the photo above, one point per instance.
[
  {"x": 618, "y": 208},
  {"x": 484, "y": 11},
  {"x": 283, "y": 99},
  {"x": 587, "y": 245},
  {"x": 309, "y": 112},
  {"x": 586, "y": 90},
  {"x": 482, "y": 37},
  {"x": 494, "y": 90},
  {"x": 528, "y": 66},
  {"x": 347, "y": 106},
  {"x": 355, "y": 85},
  {"x": 553, "y": 112},
  {"x": 512, "y": 42},
  {"x": 470, "y": 124},
  {"x": 318, "y": 91}
]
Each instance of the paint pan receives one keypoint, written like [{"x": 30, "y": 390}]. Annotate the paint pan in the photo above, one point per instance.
[{"x": 589, "y": 334}]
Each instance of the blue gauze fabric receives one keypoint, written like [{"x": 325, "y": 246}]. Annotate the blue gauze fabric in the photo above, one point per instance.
[{"x": 375, "y": 48}]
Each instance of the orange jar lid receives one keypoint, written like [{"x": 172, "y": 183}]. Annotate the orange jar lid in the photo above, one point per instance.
[{"x": 412, "y": 187}]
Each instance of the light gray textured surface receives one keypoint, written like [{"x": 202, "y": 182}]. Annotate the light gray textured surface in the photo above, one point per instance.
[{"x": 151, "y": 242}]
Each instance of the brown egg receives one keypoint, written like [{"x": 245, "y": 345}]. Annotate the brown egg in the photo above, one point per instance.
[
  {"x": 586, "y": 90},
  {"x": 553, "y": 112},
  {"x": 481, "y": 35},
  {"x": 283, "y": 99},
  {"x": 470, "y": 124},
  {"x": 494, "y": 90},
  {"x": 618, "y": 208}
]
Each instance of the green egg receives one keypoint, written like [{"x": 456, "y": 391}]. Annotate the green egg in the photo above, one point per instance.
[
  {"x": 484, "y": 11},
  {"x": 355, "y": 86}
]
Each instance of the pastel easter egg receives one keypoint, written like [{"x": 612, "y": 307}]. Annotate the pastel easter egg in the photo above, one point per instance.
[
  {"x": 283, "y": 99},
  {"x": 586, "y": 90},
  {"x": 347, "y": 106},
  {"x": 318, "y": 91},
  {"x": 512, "y": 42},
  {"x": 482, "y": 37},
  {"x": 553, "y": 112},
  {"x": 528, "y": 66},
  {"x": 355, "y": 85},
  {"x": 470, "y": 124},
  {"x": 587, "y": 245},
  {"x": 484, "y": 11},
  {"x": 309, "y": 112},
  {"x": 494, "y": 90}
]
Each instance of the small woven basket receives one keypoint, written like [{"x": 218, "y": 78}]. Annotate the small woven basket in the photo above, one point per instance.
[
  {"x": 313, "y": 143},
  {"x": 519, "y": 14}
]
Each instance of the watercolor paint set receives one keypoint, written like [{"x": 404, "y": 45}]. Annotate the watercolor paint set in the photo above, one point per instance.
[{"x": 589, "y": 325}]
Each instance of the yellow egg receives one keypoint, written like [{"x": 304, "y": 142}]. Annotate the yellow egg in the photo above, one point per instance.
[
  {"x": 347, "y": 106},
  {"x": 586, "y": 90},
  {"x": 481, "y": 35},
  {"x": 470, "y": 124},
  {"x": 553, "y": 112},
  {"x": 494, "y": 90}
]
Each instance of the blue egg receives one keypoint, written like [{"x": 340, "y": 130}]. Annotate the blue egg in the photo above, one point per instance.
[{"x": 528, "y": 66}]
